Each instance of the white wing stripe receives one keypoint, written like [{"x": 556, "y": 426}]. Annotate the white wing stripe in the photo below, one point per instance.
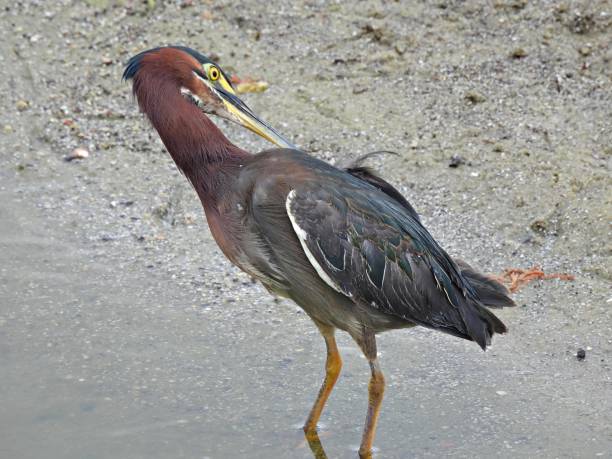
[{"x": 302, "y": 237}]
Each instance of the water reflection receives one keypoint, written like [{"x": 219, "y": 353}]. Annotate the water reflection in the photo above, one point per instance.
[
  {"x": 315, "y": 445},
  {"x": 318, "y": 452}
]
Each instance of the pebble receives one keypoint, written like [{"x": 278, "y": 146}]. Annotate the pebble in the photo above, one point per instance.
[
  {"x": 539, "y": 225},
  {"x": 475, "y": 97},
  {"x": 518, "y": 53},
  {"x": 456, "y": 161},
  {"x": 22, "y": 105},
  {"x": 360, "y": 88},
  {"x": 77, "y": 153},
  {"x": 581, "y": 354},
  {"x": 400, "y": 48}
]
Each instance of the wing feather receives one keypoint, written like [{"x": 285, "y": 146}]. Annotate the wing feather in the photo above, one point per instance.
[
  {"x": 375, "y": 251},
  {"x": 312, "y": 258}
]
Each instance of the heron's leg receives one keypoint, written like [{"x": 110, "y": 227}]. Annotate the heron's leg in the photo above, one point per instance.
[
  {"x": 376, "y": 390},
  {"x": 332, "y": 371}
]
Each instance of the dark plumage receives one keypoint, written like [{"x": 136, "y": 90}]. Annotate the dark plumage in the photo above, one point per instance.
[
  {"x": 391, "y": 265},
  {"x": 343, "y": 244},
  {"x": 368, "y": 175}
]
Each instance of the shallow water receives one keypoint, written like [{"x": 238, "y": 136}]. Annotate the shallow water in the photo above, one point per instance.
[{"x": 104, "y": 362}]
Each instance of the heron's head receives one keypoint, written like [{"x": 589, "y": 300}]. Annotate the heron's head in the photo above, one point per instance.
[{"x": 198, "y": 80}]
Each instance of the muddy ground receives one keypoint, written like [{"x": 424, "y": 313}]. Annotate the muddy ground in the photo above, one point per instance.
[{"x": 125, "y": 333}]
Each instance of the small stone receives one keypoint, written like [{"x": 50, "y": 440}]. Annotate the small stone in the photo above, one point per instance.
[
  {"x": 22, "y": 105},
  {"x": 527, "y": 239},
  {"x": 106, "y": 60},
  {"x": 360, "y": 88},
  {"x": 582, "y": 23},
  {"x": 77, "y": 153},
  {"x": 456, "y": 161},
  {"x": 400, "y": 48},
  {"x": 518, "y": 4},
  {"x": 7, "y": 129},
  {"x": 519, "y": 201},
  {"x": 518, "y": 53},
  {"x": 581, "y": 354},
  {"x": 475, "y": 97},
  {"x": 189, "y": 219},
  {"x": 382, "y": 57},
  {"x": 539, "y": 225},
  {"x": 585, "y": 51},
  {"x": 501, "y": 392}
]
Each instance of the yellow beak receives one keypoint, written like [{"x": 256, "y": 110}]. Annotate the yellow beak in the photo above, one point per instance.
[{"x": 245, "y": 117}]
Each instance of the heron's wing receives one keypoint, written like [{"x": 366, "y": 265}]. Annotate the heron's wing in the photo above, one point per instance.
[
  {"x": 368, "y": 175},
  {"x": 369, "y": 247}
]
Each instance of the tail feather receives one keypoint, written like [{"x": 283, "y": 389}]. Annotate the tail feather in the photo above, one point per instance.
[
  {"x": 481, "y": 324},
  {"x": 490, "y": 292}
]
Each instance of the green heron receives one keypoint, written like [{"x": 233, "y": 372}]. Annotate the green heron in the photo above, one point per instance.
[{"x": 344, "y": 244}]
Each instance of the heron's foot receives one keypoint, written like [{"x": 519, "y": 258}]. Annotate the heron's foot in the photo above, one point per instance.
[{"x": 365, "y": 453}]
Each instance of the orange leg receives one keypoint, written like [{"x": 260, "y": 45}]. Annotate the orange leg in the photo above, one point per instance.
[
  {"x": 376, "y": 390},
  {"x": 332, "y": 371}
]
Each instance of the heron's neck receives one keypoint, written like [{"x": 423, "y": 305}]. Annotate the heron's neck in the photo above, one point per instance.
[{"x": 196, "y": 144}]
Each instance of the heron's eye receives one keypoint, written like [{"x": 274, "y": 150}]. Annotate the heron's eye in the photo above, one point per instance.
[{"x": 213, "y": 73}]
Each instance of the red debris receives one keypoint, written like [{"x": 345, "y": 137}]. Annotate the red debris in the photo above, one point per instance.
[{"x": 515, "y": 278}]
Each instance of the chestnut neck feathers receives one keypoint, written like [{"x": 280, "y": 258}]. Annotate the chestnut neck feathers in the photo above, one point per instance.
[{"x": 195, "y": 143}]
